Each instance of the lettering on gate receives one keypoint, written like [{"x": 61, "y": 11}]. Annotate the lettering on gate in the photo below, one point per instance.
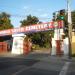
[{"x": 36, "y": 27}]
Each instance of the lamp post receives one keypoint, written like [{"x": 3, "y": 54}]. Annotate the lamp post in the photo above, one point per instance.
[{"x": 69, "y": 27}]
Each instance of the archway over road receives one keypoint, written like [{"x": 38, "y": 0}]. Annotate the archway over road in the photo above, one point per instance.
[{"x": 30, "y": 29}]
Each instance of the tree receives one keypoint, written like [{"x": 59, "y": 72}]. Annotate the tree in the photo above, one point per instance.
[
  {"x": 5, "y": 22},
  {"x": 40, "y": 38},
  {"x": 65, "y": 19},
  {"x": 73, "y": 19},
  {"x": 29, "y": 20}
]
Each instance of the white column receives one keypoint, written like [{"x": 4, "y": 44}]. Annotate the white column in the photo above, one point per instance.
[
  {"x": 53, "y": 52},
  {"x": 65, "y": 46},
  {"x": 17, "y": 47},
  {"x": 57, "y": 36}
]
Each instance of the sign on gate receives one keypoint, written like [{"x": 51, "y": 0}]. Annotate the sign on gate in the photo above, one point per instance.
[{"x": 32, "y": 28}]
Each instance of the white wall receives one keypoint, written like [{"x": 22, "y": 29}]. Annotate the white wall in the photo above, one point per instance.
[{"x": 17, "y": 47}]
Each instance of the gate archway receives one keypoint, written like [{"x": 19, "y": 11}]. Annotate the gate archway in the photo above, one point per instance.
[{"x": 28, "y": 29}]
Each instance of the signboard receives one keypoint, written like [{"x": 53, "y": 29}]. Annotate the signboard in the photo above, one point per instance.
[{"x": 35, "y": 28}]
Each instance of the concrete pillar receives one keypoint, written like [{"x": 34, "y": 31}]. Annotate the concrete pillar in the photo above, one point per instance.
[
  {"x": 66, "y": 46},
  {"x": 17, "y": 47},
  {"x": 53, "y": 52},
  {"x": 56, "y": 41}
]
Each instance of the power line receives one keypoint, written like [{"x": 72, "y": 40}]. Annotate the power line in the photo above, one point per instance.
[
  {"x": 18, "y": 16},
  {"x": 22, "y": 16}
]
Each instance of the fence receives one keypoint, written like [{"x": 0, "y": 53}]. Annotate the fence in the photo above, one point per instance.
[{"x": 3, "y": 47}]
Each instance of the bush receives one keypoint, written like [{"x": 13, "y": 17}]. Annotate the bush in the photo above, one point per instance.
[{"x": 35, "y": 47}]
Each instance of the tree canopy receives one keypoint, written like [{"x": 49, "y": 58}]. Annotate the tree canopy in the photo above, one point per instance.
[
  {"x": 66, "y": 20},
  {"x": 73, "y": 19},
  {"x": 5, "y": 22},
  {"x": 40, "y": 38},
  {"x": 29, "y": 20}
]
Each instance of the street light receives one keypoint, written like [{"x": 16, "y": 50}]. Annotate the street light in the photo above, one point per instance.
[{"x": 69, "y": 27}]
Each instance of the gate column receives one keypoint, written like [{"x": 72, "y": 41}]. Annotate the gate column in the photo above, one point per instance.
[{"x": 17, "y": 46}]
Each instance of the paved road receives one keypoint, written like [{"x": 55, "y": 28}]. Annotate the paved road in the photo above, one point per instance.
[{"x": 36, "y": 64}]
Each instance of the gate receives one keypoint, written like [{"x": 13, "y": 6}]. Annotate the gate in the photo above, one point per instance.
[{"x": 3, "y": 47}]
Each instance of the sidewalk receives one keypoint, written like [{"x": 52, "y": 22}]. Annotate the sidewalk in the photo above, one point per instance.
[{"x": 7, "y": 54}]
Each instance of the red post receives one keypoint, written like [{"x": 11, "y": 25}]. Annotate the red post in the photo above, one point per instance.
[
  {"x": 25, "y": 48},
  {"x": 58, "y": 47}
]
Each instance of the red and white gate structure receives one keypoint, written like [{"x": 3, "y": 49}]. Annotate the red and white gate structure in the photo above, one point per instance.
[
  {"x": 31, "y": 28},
  {"x": 19, "y": 34}
]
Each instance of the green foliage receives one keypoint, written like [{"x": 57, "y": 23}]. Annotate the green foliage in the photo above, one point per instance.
[
  {"x": 35, "y": 47},
  {"x": 64, "y": 17},
  {"x": 29, "y": 20},
  {"x": 73, "y": 19},
  {"x": 66, "y": 22},
  {"x": 5, "y": 22},
  {"x": 40, "y": 39}
]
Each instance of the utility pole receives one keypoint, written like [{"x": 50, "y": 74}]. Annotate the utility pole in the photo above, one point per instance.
[{"x": 69, "y": 28}]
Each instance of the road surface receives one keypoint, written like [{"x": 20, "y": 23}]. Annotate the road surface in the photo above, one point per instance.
[{"x": 36, "y": 64}]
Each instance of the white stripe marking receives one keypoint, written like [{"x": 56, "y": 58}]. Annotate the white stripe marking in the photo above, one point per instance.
[
  {"x": 65, "y": 68},
  {"x": 21, "y": 70}
]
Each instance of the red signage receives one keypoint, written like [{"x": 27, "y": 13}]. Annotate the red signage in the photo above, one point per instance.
[{"x": 37, "y": 27}]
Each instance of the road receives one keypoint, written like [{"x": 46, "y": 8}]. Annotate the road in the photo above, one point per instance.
[{"x": 36, "y": 64}]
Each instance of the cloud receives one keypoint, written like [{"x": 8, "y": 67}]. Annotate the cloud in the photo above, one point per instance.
[
  {"x": 44, "y": 15},
  {"x": 39, "y": 10},
  {"x": 26, "y": 10},
  {"x": 25, "y": 7}
]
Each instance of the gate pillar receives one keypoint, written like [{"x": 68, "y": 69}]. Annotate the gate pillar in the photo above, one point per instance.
[{"x": 17, "y": 46}]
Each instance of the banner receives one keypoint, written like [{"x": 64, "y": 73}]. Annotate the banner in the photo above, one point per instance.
[{"x": 32, "y": 28}]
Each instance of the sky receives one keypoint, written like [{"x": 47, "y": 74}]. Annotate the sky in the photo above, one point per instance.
[{"x": 43, "y": 9}]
